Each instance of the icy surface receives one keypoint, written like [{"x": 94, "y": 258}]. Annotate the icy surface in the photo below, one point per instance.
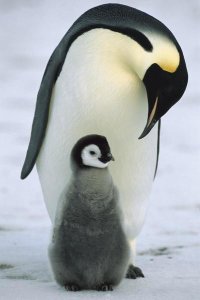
[{"x": 169, "y": 245}]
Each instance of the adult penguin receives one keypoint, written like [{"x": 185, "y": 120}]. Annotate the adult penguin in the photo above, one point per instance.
[{"x": 115, "y": 73}]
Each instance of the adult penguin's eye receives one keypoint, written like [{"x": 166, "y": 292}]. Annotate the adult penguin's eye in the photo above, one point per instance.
[{"x": 92, "y": 153}]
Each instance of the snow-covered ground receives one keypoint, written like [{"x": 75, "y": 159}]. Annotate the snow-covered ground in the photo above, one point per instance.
[{"x": 169, "y": 245}]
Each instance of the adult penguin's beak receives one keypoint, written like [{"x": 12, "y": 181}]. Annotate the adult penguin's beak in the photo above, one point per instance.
[{"x": 151, "y": 120}]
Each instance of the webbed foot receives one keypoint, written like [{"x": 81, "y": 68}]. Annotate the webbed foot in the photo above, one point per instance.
[
  {"x": 72, "y": 287},
  {"x": 105, "y": 287},
  {"x": 134, "y": 272}
]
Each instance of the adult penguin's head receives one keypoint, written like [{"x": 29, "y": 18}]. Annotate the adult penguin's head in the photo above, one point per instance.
[{"x": 164, "y": 88}]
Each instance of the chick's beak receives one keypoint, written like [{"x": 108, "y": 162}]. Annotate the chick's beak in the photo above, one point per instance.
[{"x": 110, "y": 156}]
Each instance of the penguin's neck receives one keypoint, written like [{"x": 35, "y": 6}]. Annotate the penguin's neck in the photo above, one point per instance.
[
  {"x": 93, "y": 180},
  {"x": 94, "y": 187},
  {"x": 121, "y": 54},
  {"x": 113, "y": 52}
]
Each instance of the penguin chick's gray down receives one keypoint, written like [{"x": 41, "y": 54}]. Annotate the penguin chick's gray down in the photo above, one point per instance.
[{"x": 89, "y": 249}]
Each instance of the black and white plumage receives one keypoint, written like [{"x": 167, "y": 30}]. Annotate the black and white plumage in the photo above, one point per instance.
[
  {"x": 116, "y": 71},
  {"x": 89, "y": 249}
]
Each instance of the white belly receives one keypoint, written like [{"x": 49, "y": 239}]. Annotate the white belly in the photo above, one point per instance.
[{"x": 97, "y": 94}]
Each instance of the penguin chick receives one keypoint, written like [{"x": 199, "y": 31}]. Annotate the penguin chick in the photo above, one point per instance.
[{"x": 89, "y": 249}]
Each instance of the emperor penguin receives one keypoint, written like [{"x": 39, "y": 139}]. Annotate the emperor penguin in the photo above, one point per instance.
[
  {"x": 116, "y": 72},
  {"x": 89, "y": 249}
]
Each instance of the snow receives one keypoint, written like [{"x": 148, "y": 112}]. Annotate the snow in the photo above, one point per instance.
[{"x": 169, "y": 245}]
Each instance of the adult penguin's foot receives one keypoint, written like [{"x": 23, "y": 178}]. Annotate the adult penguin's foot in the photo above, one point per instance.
[{"x": 134, "y": 272}]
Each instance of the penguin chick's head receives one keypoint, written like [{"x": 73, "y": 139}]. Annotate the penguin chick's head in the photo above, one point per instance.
[{"x": 91, "y": 151}]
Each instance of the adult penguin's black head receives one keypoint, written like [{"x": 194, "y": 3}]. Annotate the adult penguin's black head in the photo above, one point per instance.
[{"x": 164, "y": 89}]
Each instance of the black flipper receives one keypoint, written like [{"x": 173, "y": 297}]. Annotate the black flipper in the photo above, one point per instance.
[{"x": 41, "y": 113}]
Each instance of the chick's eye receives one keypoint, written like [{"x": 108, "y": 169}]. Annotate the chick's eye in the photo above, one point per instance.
[{"x": 92, "y": 152}]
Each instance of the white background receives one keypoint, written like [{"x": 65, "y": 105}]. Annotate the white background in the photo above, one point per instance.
[{"x": 169, "y": 245}]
